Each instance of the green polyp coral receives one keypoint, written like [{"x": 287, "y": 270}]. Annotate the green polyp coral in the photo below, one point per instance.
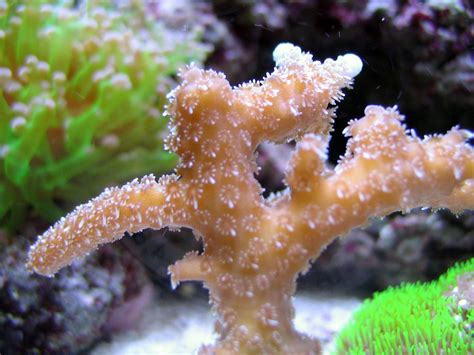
[
  {"x": 80, "y": 88},
  {"x": 430, "y": 318}
]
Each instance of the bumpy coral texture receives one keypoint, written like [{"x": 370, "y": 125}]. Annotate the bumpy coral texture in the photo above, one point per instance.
[{"x": 254, "y": 248}]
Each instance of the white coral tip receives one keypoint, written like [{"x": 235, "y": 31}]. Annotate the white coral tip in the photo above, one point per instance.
[
  {"x": 351, "y": 63},
  {"x": 286, "y": 53}
]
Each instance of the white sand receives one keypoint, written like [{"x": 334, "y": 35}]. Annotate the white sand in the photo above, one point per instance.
[{"x": 180, "y": 326}]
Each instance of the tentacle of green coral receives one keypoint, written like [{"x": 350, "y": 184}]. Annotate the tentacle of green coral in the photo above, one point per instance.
[
  {"x": 17, "y": 161},
  {"x": 80, "y": 86},
  {"x": 60, "y": 52}
]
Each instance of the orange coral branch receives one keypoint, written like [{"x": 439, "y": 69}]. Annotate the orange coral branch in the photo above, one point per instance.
[
  {"x": 384, "y": 170},
  {"x": 131, "y": 208},
  {"x": 255, "y": 248},
  {"x": 294, "y": 99}
]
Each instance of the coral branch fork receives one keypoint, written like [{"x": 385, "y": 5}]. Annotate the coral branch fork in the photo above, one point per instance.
[{"x": 254, "y": 248}]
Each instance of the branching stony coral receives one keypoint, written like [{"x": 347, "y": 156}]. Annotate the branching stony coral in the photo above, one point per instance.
[
  {"x": 81, "y": 90},
  {"x": 430, "y": 318},
  {"x": 254, "y": 248}
]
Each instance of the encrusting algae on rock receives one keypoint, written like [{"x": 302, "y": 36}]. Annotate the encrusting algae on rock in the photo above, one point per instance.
[{"x": 254, "y": 248}]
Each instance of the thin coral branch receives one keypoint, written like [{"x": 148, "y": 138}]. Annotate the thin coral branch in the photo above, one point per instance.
[
  {"x": 385, "y": 169},
  {"x": 294, "y": 99},
  {"x": 129, "y": 209}
]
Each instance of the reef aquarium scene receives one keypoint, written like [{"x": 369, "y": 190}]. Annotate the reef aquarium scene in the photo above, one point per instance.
[{"x": 236, "y": 177}]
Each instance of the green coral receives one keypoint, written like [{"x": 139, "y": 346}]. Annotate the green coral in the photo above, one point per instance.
[
  {"x": 429, "y": 318},
  {"x": 80, "y": 101}
]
